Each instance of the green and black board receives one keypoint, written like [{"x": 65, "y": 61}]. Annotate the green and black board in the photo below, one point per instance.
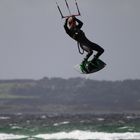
[{"x": 95, "y": 67}]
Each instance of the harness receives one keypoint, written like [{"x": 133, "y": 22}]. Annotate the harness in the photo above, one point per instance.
[{"x": 80, "y": 45}]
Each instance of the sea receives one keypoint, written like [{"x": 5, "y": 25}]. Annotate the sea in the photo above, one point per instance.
[{"x": 20, "y": 126}]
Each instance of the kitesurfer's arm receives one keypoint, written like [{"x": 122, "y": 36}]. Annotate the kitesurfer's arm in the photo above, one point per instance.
[
  {"x": 80, "y": 23},
  {"x": 66, "y": 27},
  {"x": 68, "y": 31}
]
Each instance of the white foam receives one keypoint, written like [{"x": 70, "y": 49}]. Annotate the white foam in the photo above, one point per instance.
[
  {"x": 61, "y": 123},
  {"x": 100, "y": 119},
  {"x": 16, "y": 127},
  {"x": 87, "y": 135},
  {"x": 4, "y": 136},
  {"x": 4, "y": 118}
]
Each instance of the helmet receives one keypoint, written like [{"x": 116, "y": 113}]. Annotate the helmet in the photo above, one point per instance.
[{"x": 71, "y": 22}]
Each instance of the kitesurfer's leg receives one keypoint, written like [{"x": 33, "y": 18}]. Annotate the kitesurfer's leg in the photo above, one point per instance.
[
  {"x": 92, "y": 46},
  {"x": 89, "y": 53},
  {"x": 100, "y": 51},
  {"x": 93, "y": 61},
  {"x": 95, "y": 47},
  {"x": 83, "y": 64}
]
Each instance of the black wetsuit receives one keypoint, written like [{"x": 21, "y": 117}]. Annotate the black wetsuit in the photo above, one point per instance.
[{"x": 77, "y": 34}]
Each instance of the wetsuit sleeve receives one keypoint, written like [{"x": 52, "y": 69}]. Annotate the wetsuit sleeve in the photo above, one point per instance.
[
  {"x": 66, "y": 27},
  {"x": 80, "y": 23}
]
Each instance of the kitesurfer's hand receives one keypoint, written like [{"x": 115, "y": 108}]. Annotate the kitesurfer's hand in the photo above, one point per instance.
[{"x": 74, "y": 18}]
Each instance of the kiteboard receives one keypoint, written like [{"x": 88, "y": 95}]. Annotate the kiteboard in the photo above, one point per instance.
[{"x": 94, "y": 67}]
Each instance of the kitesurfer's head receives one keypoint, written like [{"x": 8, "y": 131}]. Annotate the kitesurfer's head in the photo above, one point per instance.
[{"x": 71, "y": 22}]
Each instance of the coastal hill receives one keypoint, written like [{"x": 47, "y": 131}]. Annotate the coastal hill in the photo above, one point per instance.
[{"x": 70, "y": 96}]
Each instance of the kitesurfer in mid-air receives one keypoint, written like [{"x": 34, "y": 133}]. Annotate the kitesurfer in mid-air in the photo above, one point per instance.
[{"x": 73, "y": 27}]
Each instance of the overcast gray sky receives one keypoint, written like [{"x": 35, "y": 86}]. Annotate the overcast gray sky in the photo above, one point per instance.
[{"x": 33, "y": 43}]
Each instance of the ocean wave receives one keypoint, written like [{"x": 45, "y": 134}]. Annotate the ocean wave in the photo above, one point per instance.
[
  {"x": 61, "y": 123},
  {"x": 77, "y": 134},
  {"x": 88, "y": 135},
  {"x": 4, "y": 136},
  {"x": 4, "y": 118}
]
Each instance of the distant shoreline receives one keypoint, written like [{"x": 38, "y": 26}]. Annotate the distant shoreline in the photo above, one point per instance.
[{"x": 69, "y": 96}]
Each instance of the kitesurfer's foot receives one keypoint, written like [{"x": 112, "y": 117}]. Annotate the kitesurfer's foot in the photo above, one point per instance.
[
  {"x": 94, "y": 61},
  {"x": 83, "y": 66}
]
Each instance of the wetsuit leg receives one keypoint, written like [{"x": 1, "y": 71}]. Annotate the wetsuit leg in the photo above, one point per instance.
[
  {"x": 90, "y": 46},
  {"x": 88, "y": 55},
  {"x": 93, "y": 46},
  {"x": 97, "y": 48},
  {"x": 88, "y": 50}
]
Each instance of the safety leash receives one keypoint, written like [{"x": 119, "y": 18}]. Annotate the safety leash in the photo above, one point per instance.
[{"x": 80, "y": 46}]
